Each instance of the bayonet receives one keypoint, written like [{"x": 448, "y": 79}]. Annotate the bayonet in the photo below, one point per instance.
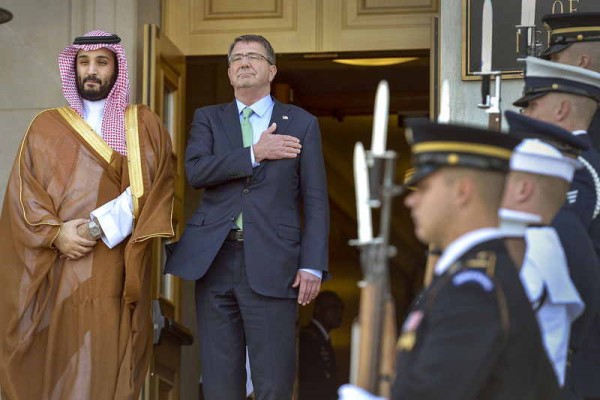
[
  {"x": 490, "y": 103},
  {"x": 361, "y": 184},
  {"x": 526, "y": 34}
]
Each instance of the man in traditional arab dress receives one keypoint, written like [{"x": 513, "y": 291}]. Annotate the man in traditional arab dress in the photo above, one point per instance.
[{"x": 92, "y": 183}]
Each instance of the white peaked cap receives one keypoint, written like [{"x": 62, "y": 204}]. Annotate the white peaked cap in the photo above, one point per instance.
[{"x": 538, "y": 157}]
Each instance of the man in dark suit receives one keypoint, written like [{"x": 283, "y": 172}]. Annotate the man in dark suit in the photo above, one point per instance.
[
  {"x": 257, "y": 244},
  {"x": 317, "y": 371}
]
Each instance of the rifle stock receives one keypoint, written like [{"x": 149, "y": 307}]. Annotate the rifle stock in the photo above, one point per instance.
[
  {"x": 388, "y": 349},
  {"x": 369, "y": 336}
]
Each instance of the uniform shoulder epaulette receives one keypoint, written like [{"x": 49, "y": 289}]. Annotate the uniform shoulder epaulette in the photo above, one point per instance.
[
  {"x": 482, "y": 260},
  {"x": 478, "y": 268}
]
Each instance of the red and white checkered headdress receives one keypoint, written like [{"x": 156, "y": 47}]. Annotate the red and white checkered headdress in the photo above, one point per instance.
[{"x": 113, "y": 119}]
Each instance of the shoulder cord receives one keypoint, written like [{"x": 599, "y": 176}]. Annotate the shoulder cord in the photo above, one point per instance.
[{"x": 596, "y": 180}]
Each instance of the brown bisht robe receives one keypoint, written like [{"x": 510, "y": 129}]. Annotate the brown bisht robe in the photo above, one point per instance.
[{"x": 79, "y": 329}]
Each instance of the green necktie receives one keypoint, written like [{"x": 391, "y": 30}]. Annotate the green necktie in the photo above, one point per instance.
[{"x": 247, "y": 139}]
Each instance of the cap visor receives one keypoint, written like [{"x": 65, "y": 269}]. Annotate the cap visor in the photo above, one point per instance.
[
  {"x": 556, "y": 48},
  {"x": 524, "y": 101},
  {"x": 420, "y": 174}
]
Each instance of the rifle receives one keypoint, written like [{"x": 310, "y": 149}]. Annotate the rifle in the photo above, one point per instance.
[{"x": 374, "y": 333}]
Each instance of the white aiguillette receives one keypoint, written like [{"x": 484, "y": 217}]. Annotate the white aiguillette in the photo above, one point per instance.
[{"x": 361, "y": 183}]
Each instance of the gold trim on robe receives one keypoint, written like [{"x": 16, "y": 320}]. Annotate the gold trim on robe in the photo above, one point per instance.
[
  {"x": 134, "y": 158},
  {"x": 50, "y": 304},
  {"x": 87, "y": 133}
]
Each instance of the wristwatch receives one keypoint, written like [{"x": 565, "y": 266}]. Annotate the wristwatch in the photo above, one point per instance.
[{"x": 94, "y": 228}]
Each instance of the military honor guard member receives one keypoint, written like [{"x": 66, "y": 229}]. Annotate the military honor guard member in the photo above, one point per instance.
[
  {"x": 568, "y": 96},
  {"x": 541, "y": 169},
  {"x": 575, "y": 40},
  {"x": 472, "y": 333}
]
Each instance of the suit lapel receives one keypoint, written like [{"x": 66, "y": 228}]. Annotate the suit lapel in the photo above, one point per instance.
[
  {"x": 281, "y": 116},
  {"x": 231, "y": 121}
]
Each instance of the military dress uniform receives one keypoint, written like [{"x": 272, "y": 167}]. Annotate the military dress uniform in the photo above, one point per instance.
[
  {"x": 594, "y": 130},
  {"x": 471, "y": 334},
  {"x": 583, "y": 368},
  {"x": 584, "y": 353},
  {"x": 545, "y": 276},
  {"x": 578, "y": 222},
  {"x": 584, "y": 197},
  {"x": 547, "y": 150},
  {"x": 544, "y": 77}
]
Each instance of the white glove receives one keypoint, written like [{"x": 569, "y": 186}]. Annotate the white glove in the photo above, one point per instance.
[{"x": 351, "y": 392}]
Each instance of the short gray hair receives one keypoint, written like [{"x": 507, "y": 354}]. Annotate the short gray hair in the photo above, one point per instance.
[{"x": 254, "y": 38}]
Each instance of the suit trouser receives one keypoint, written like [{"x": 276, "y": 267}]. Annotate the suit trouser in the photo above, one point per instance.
[{"x": 231, "y": 315}]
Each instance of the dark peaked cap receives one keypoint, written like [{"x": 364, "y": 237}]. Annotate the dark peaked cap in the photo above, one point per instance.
[
  {"x": 547, "y": 149},
  {"x": 445, "y": 145},
  {"x": 554, "y": 135},
  {"x": 567, "y": 29}
]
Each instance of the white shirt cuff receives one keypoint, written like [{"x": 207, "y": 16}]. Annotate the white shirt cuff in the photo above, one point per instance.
[
  {"x": 115, "y": 219},
  {"x": 316, "y": 272}
]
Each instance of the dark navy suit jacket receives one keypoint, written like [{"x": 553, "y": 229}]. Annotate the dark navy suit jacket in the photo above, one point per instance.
[{"x": 284, "y": 202}]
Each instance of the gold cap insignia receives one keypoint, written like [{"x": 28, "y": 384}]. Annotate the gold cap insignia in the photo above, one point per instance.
[{"x": 453, "y": 159}]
